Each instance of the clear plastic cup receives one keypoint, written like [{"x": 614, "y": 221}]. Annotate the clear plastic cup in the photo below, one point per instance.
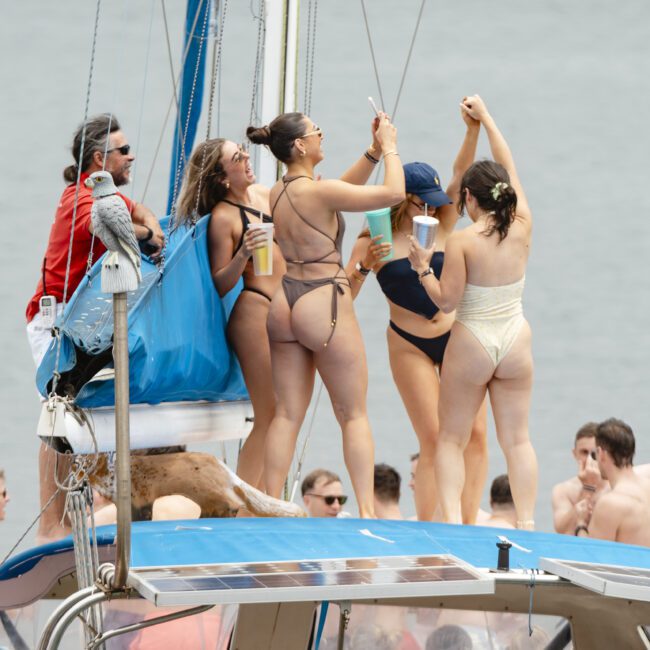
[
  {"x": 263, "y": 257},
  {"x": 424, "y": 230},
  {"x": 379, "y": 224}
]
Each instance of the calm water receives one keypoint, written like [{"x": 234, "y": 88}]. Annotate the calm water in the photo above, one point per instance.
[{"x": 567, "y": 82}]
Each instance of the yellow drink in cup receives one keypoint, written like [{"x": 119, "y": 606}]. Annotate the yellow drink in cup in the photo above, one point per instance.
[{"x": 263, "y": 257}]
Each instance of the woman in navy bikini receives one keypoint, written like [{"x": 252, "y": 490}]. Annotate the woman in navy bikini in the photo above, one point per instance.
[
  {"x": 312, "y": 325},
  {"x": 220, "y": 174},
  {"x": 418, "y": 332}
]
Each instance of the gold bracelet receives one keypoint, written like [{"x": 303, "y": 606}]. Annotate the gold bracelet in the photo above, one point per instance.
[{"x": 388, "y": 153}]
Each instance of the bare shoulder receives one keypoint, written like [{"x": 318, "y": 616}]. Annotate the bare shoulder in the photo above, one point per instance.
[
  {"x": 569, "y": 489},
  {"x": 261, "y": 191},
  {"x": 224, "y": 217}
]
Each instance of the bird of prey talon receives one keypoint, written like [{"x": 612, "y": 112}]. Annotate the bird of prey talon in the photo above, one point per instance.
[{"x": 113, "y": 225}]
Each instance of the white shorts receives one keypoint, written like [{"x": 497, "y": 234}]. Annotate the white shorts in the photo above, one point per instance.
[{"x": 39, "y": 336}]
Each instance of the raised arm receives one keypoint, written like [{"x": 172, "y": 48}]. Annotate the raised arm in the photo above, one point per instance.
[
  {"x": 342, "y": 195},
  {"x": 448, "y": 214},
  {"x": 361, "y": 170},
  {"x": 475, "y": 107}
]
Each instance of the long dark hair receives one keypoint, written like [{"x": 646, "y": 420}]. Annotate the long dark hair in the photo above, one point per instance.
[
  {"x": 203, "y": 184},
  {"x": 279, "y": 135},
  {"x": 98, "y": 128},
  {"x": 489, "y": 183}
]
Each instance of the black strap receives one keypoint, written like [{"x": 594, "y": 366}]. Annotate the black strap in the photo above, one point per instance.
[{"x": 43, "y": 271}]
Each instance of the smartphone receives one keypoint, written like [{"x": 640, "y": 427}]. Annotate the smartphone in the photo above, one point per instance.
[{"x": 373, "y": 106}]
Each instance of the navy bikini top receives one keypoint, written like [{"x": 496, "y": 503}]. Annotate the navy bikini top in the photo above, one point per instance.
[
  {"x": 243, "y": 209},
  {"x": 401, "y": 286}
]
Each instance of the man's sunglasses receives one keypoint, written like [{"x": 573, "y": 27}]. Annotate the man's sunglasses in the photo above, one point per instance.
[
  {"x": 330, "y": 498},
  {"x": 124, "y": 149}
]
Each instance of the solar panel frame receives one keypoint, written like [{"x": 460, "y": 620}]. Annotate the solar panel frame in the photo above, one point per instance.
[
  {"x": 295, "y": 581},
  {"x": 611, "y": 580}
]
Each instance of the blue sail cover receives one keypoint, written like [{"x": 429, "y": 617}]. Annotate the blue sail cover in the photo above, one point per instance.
[
  {"x": 195, "y": 44},
  {"x": 177, "y": 323}
]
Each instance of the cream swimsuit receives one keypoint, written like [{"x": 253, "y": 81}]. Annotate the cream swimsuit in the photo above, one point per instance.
[{"x": 494, "y": 315}]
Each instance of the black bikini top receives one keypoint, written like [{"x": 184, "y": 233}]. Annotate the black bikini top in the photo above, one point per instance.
[
  {"x": 243, "y": 209},
  {"x": 336, "y": 241},
  {"x": 401, "y": 286}
]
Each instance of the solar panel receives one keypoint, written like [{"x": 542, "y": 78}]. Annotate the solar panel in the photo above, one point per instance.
[
  {"x": 331, "y": 579},
  {"x": 606, "y": 579}
]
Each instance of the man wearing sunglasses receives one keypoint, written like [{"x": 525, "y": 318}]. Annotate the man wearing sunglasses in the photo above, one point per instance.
[
  {"x": 322, "y": 493},
  {"x": 104, "y": 147}
]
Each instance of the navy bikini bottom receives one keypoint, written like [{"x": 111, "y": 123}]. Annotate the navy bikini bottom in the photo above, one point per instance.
[{"x": 434, "y": 348}]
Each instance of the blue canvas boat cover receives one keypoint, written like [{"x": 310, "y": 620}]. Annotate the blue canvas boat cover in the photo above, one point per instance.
[{"x": 177, "y": 333}]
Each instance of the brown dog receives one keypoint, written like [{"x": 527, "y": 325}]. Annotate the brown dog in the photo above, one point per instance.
[{"x": 198, "y": 476}]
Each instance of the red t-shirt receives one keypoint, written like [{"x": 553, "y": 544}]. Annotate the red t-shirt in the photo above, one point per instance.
[{"x": 56, "y": 255}]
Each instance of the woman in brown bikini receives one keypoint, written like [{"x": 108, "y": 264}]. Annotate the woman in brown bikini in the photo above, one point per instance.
[
  {"x": 219, "y": 180},
  {"x": 312, "y": 325}
]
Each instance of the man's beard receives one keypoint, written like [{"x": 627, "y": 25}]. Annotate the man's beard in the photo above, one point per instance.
[{"x": 122, "y": 176}]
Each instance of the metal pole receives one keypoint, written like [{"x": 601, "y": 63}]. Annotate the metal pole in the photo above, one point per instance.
[{"x": 122, "y": 440}]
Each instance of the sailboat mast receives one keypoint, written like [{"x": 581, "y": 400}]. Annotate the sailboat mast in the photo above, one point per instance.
[{"x": 280, "y": 74}]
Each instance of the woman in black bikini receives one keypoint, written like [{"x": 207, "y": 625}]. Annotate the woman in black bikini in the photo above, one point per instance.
[
  {"x": 312, "y": 325},
  {"x": 418, "y": 331},
  {"x": 220, "y": 174}
]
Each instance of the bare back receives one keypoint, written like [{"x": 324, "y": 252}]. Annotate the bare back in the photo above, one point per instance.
[
  {"x": 491, "y": 262},
  {"x": 628, "y": 504},
  {"x": 305, "y": 230}
]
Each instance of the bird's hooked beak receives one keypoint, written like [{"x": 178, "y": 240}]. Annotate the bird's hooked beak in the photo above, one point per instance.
[{"x": 89, "y": 182}]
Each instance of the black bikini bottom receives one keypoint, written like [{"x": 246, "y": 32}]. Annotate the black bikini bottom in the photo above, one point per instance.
[
  {"x": 434, "y": 348},
  {"x": 261, "y": 293}
]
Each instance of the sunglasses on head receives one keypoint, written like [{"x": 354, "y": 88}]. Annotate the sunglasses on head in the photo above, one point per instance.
[
  {"x": 330, "y": 498},
  {"x": 124, "y": 149}
]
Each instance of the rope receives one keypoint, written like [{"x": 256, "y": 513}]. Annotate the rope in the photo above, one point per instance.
[
  {"x": 76, "y": 194},
  {"x": 144, "y": 87},
  {"x": 213, "y": 81},
  {"x": 253, "y": 117},
  {"x": 310, "y": 55},
  {"x": 404, "y": 71},
  {"x": 35, "y": 520},
  {"x": 298, "y": 474},
  {"x": 408, "y": 59},
  {"x": 372, "y": 53}
]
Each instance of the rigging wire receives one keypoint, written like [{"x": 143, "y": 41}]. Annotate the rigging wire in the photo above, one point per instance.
[
  {"x": 144, "y": 88},
  {"x": 216, "y": 68},
  {"x": 183, "y": 133},
  {"x": 253, "y": 117},
  {"x": 66, "y": 282},
  {"x": 310, "y": 55},
  {"x": 372, "y": 53}
]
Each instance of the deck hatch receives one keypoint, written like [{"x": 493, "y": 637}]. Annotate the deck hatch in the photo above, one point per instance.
[
  {"x": 331, "y": 579},
  {"x": 606, "y": 579}
]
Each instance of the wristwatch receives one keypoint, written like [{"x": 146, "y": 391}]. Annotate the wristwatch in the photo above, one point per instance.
[
  {"x": 422, "y": 275},
  {"x": 149, "y": 234},
  {"x": 362, "y": 269}
]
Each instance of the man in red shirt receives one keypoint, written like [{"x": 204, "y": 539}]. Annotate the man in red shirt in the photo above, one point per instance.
[{"x": 105, "y": 147}]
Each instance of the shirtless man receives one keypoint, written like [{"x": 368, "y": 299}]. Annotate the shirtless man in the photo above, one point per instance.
[
  {"x": 623, "y": 513},
  {"x": 587, "y": 485}
]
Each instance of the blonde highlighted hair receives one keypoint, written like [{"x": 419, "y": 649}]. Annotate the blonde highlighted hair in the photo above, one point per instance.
[{"x": 203, "y": 182}]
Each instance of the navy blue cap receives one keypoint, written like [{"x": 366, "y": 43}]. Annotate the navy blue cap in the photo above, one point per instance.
[{"x": 423, "y": 181}]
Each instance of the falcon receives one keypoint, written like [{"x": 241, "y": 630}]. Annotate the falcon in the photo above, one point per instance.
[{"x": 113, "y": 225}]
